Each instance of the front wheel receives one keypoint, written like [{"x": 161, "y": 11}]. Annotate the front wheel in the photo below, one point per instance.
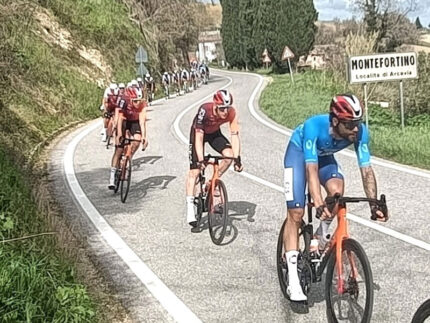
[
  {"x": 217, "y": 212},
  {"x": 125, "y": 179},
  {"x": 350, "y": 296},
  {"x": 423, "y": 313}
]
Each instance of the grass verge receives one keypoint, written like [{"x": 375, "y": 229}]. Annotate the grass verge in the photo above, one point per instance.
[{"x": 290, "y": 104}]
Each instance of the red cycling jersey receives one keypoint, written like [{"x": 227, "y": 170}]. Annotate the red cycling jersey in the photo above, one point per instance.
[
  {"x": 208, "y": 122},
  {"x": 127, "y": 109}
]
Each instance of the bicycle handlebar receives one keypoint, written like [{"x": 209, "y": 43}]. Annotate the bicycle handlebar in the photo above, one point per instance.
[
  {"x": 217, "y": 158},
  {"x": 332, "y": 201}
]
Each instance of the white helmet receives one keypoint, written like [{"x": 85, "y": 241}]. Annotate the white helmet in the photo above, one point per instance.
[
  {"x": 165, "y": 73},
  {"x": 113, "y": 86},
  {"x": 121, "y": 85},
  {"x": 148, "y": 75},
  {"x": 139, "y": 79},
  {"x": 129, "y": 84},
  {"x": 134, "y": 83}
]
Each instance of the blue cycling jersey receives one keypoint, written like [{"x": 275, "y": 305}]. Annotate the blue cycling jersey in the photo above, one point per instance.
[{"x": 314, "y": 138}]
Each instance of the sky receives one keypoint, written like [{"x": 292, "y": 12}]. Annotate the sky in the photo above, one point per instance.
[{"x": 330, "y": 9}]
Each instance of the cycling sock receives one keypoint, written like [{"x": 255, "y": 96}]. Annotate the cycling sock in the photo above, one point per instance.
[
  {"x": 293, "y": 277},
  {"x": 113, "y": 170}
]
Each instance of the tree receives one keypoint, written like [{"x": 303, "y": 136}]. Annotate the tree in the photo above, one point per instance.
[{"x": 418, "y": 23}]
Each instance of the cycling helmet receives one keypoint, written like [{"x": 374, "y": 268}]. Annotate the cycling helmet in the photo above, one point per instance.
[
  {"x": 113, "y": 86},
  {"x": 346, "y": 107},
  {"x": 139, "y": 79},
  {"x": 147, "y": 75},
  {"x": 121, "y": 85},
  {"x": 129, "y": 84},
  {"x": 134, "y": 83},
  {"x": 223, "y": 98}
]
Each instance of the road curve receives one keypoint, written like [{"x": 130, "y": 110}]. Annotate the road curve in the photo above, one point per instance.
[{"x": 236, "y": 281}]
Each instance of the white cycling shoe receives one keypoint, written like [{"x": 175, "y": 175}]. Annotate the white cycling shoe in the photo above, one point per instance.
[
  {"x": 191, "y": 216},
  {"x": 295, "y": 293}
]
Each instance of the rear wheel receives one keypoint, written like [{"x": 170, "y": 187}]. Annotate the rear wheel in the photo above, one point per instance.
[
  {"x": 422, "y": 315},
  {"x": 217, "y": 212},
  {"x": 125, "y": 179},
  {"x": 349, "y": 298}
]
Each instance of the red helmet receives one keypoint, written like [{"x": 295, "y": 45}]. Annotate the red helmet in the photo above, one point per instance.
[
  {"x": 223, "y": 98},
  {"x": 346, "y": 107}
]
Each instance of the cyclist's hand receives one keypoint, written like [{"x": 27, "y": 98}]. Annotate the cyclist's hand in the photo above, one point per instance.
[
  {"x": 323, "y": 212},
  {"x": 118, "y": 140},
  {"x": 201, "y": 165},
  {"x": 144, "y": 144},
  {"x": 238, "y": 167},
  {"x": 378, "y": 215}
]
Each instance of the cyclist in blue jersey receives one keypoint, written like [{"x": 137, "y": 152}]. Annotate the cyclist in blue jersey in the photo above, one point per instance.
[{"x": 309, "y": 159}]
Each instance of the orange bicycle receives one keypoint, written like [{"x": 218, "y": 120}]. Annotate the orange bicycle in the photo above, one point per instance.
[
  {"x": 123, "y": 173},
  {"x": 212, "y": 198},
  {"x": 349, "y": 280}
]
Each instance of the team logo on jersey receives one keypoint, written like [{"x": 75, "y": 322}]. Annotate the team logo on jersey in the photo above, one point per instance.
[
  {"x": 309, "y": 144},
  {"x": 365, "y": 148},
  {"x": 201, "y": 114}
]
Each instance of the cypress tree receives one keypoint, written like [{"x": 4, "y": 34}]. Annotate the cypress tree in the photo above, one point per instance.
[
  {"x": 247, "y": 13},
  {"x": 418, "y": 23}
]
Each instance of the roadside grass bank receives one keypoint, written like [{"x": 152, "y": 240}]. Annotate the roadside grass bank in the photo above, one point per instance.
[
  {"x": 55, "y": 59},
  {"x": 290, "y": 104}
]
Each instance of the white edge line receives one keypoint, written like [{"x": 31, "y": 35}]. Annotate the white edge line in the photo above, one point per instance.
[
  {"x": 352, "y": 217},
  {"x": 168, "y": 300}
]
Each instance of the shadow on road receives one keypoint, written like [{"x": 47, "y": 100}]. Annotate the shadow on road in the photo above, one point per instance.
[
  {"x": 238, "y": 211},
  {"x": 137, "y": 162},
  {"x": 140, "y": 189}
]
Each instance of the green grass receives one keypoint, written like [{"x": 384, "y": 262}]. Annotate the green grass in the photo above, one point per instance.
[
  {"x": 36, "y": 283},
  {"x": 290, "y": 104}
]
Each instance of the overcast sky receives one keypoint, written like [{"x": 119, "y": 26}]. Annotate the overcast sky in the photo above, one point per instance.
[{"x": 330, "y": 9}]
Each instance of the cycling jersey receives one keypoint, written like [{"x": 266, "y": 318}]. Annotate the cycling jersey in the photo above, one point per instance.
[
  {"x": 111, "y": 97},
  {"x": 166, "y": 79},
  {"x": 127, "y": 110},
  {"x": 184, "y": 75},
  {"x": 314, "y": 137},
  {"x": 208, "y": 122}
]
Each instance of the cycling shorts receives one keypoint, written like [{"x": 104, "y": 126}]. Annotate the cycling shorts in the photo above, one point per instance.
[
  {"x": 131, "y": 125},
  {"x": 295, "y": 174},
  {"x": 216, "y": 140}
]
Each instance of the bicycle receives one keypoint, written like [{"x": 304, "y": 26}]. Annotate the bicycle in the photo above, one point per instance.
[
  {"x": 347, "y": 282},
  {"x": 123, "y": 173},
  {"x": 166, "y": 90},
  {"x": 213, "y": 199},
  {"x": 422, "y": 313}
]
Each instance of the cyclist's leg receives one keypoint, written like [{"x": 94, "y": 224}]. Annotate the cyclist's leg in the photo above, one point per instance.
[
  {"x": 192, "y": 175},
  {"x": 135, "y": 133},
  {"x": 294, "y": 185},
  {"x": 221, "y": 144},
  {"x": 331, "y": 178}
]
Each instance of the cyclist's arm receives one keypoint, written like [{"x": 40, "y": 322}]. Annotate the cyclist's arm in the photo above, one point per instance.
[
  {"x": 369, "y": 182},
  {"x": 199, "y": 144},
  {"x": 235, "y": 139},
  {"x": 119, "y": 127},
  {"x": 142, "y": 123}
]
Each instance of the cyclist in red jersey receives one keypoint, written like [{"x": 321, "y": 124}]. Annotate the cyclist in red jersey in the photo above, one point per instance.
[
  {"x": 131, "y": 124},
  {"x": 206, "y": 128},
  {"x": 110, "y": 97}
]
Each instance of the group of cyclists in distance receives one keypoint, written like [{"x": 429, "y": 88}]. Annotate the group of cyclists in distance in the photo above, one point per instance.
[{"x": 308, "y": 161}]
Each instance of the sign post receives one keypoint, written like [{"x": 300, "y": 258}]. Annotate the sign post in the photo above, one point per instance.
[
  {"x": 365, "y": 105},
  {"x": 286, "y": 55},
  {"x": 141, "y": 57},
  {"x": 383, "y": 67}
]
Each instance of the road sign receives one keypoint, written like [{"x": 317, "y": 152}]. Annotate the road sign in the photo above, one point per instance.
[
  {"x": 141, "y": 55},
  {"x": 266, "y": 59},
  {"x": 382, "y": 67},
  {"x": 141, "y": 70},
  {"x": 287, "y": 53}
]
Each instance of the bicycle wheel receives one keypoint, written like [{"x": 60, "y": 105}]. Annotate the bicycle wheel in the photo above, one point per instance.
[
  {"x": 217, "y": 212},
  {"x": 354, "y": 303},
  {"x": 422, "y": 315},
  {"x": 117, "y": 179},
  {"x": 281, "y": 264},
  {"x": 125, "y": 179}
]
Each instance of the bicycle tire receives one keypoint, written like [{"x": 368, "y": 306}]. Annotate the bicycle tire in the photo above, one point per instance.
[
  {"x": 350, "y": 245},
  {"x": 126, "y": 177},
  {"x": 422, "y": 313},
  {"x": 108, "y": 142},
  {"x": 213, "y": 228},
  {"x": 280, "y": 263},
  {"x": 117, "y": 180}
]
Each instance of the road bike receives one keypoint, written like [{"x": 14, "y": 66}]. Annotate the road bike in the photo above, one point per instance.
[
  {"x": 349, "y": 280},
  {"x": 212, "y": 198},
  {"x": 123, "y": 173},
  {"x": 185, "y": 87},
  {"x": 422, "y": 315},
  {"x": 166, "y": 90}
]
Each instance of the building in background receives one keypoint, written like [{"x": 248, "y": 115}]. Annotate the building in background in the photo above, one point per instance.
[{"x": 210, "y": 46}]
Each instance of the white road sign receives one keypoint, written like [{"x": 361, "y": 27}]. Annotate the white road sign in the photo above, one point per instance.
[{"x": 382, "y": 67}]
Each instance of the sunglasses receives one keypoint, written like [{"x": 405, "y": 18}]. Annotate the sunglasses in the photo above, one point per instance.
[
  {"x": 350, "y": 125},
  {"x": 222, "y": 109}
]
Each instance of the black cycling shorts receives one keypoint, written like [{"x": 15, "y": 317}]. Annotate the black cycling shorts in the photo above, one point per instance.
[
  {"x": 133, "y": 126},
  {"x": 216, "y": 140}
]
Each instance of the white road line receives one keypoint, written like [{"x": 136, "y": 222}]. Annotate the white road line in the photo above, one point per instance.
[
  {"x": 352, "y": 217},
  {"x": 171, "y": 303},
  {"x": 288, "y": 132}
]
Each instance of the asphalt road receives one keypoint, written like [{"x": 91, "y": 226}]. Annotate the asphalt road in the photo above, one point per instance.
[{"x": 236, "y": 282}]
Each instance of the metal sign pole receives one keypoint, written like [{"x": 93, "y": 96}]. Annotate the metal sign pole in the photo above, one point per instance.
[
  {"x": 291, "y": 72},
  {"x": 365, "y": 105},
  {"x": 402, "y": 109}
]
